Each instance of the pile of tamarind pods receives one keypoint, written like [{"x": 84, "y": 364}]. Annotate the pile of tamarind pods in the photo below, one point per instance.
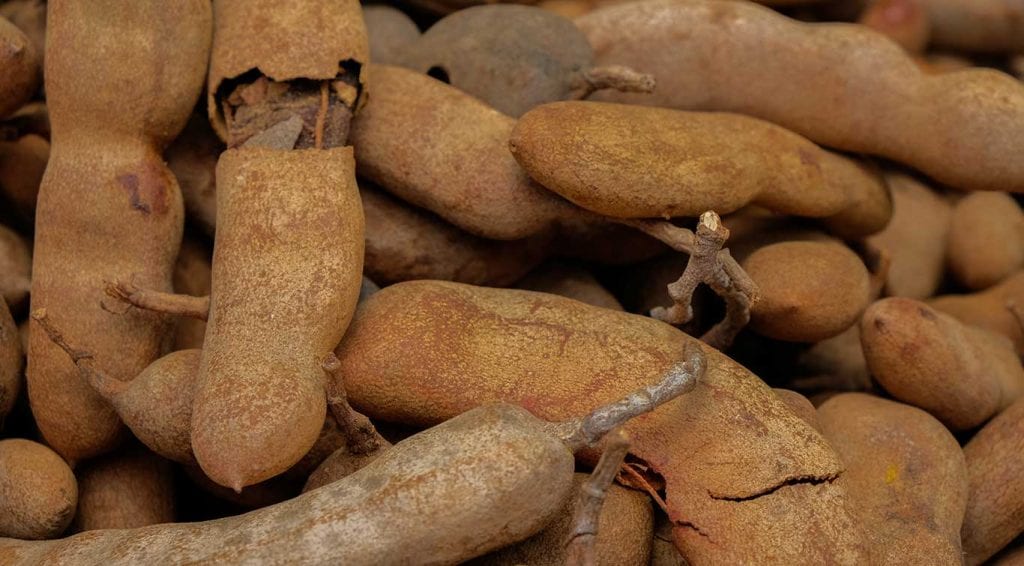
[{"x": 572, "y": 282}]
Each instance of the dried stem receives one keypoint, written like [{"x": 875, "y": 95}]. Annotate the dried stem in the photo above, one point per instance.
[
  {"x": 158, "y": 301},
  {"x": 636, "y": 479},
  {"x": 321, "y": 118},
  {"x": 581, "y": 545},
  {"x": 680, "y": 378},
  {"x": 622, "y": 79},
  {"x": 708, "y": 264},
  {"x": 362, "y": 436},
  {"x": 105, "y": 385}
]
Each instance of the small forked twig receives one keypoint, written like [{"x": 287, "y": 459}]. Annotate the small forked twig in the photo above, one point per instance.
[
  {"x": 708, "y": 264},
  {"x": 581, "y": 544},
  {"x": 622, "y": 79},
  {"x": 362, "y": 436},
  {"x": 158, "y": 301}
]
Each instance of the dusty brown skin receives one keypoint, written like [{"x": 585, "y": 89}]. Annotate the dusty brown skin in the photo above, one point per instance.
[
  {"x": 905, "y": 475},
  {"x": 260, "y": 36},
  {"x": 15, "y": 269},
  {"x": 274, "y": 312},
  {"x": 822, "y": 81},
  {"x": 191, "y": 277},
  {"x": 441, "y": 149},
  {"x": 572, "y": 281},
  {"x": 11, "y": 363},
  {"x": 636, "y": 162},
  {"x": 903, "y": 21},
  {"x": 624, "y": 533},
  {"x": 980, "y": 26},
  {"x": 932, "y": 361},
  {"x": 989, "y": 308},
  {"x": 38, "y": 492},
  {"x": 558, "y": 357},
  {"x": 915, "y": 239},
  {"x": 389, "y": 31},
  {"x": 193, "y": 159},
  {"x": 526, "y": 470},
  {"x": 986, "y": 239},
  {"x": 800, "y": 405},
  {"x": 108, "y": 207},
  {"x": 810, "y": 290},
  {"x": 405, "y": 243},
  {"x": 22, "y": 163},
  {"x": 995, "y": 505},
  {"x": 126, "y": 489},
  {"x": 19, "y": 67}
]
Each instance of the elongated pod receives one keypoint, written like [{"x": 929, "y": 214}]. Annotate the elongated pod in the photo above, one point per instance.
[
  {"x": 287, "y": 267},
  {"x": 840, "y": 85},
  {"x": 108, "y": 207},
  {"x": 38, "y": 492}
]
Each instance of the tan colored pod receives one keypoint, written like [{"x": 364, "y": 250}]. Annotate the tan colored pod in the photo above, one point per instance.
[
  {"x": 15, "y": 269},
  {"x": 904, "y": 21},
  {"x": 558, "y": 357},
  {"x": 915, "y": 239},
  {"x": 624, "y": 531},
  {"x": 278, "y": 306},
  {"x": 905, "y": 476},
  {"x": 108, "y": 208},
  {"x": 191, "y": 277},
  {"x": 990, "y": 309},
  {"x": 572, "y": 281},
  {"x": 193, "y": 160},
  {"x": 389, "y": 31},
  {"x": 524, "y": 476},
  {"x": 22, "y": 163},
  {"x": 126, "y": 489},
  {"x": 928, "y": 359},
  {"x": 986, "y": 239},
  {"x": 263, "y": 35},
  {"x": 979, "y": 26},
  {"x": 800, "y": 405},
  {"x": 809, "y": 290},
  {"x": 443, "y": 150},
  {"x": 995, "y": 468},
  {"x": 12, "y": 361},
  {"x": 637, "y": 162},
  {"x": 823, "y": 81},
  {"x": 38, "y": 492},
  {"x": 19, "y": 67},
  {"x": 404, "y": 243}
]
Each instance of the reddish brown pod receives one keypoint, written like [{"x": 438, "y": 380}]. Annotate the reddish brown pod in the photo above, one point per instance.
[
  {"x": 986, "y": 239},
  {"x": 126, "y": 489},
  {"x": 997, "y": 308},
  {"x": 108, "y": 208},
  {"x": 839, "y": 85},
  {"x": 515, "y": 58}
]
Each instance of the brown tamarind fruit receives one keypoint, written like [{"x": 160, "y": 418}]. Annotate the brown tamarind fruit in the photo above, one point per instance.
[
  {"x": 130, "y": 488},
  {"x": 904, "y": 21},
  {"x": 193, "y": 159},
  {"x": 996, "y": 308},
  {"x": 986, "y": 239},
  {"x": 981, "y": 26},
  {"x": 390, "y": 32},
  {"x": 106, "y": 182},
  {"x": 841, "y": 86},
  {"x": 905, "y": 476},
  {"x": 38, "y": 492},
  {"x": 19, "y": 67},
  {"x": 572, "y": 281}
]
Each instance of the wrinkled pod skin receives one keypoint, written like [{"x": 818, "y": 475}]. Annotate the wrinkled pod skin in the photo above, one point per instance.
[{"x": 108, "y": 209}]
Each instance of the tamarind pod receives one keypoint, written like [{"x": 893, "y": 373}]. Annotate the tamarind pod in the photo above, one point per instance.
[
  {"x": 980, "y": 26},
  {"x": 19, "y": 67},
  {"x": 11, "y": 362},
  {"x": 30, "y": 17},
  {"x": 990, "y": 309},
  {"x": 869, "y": 207},
  {"x": 261, "y": 35},
  {"x": 440, "y": 149},
  {"x": 22, "y": 163},
  {"x": 389, "y": 31},
  {"x": 38, "y": 492},
  {"x": 278, "y": 306},
  {"x": 905, "y": 476},
  {"x": 557, "y": 358},
  {"x": 123, "y": 490},
  {"x": 108, "y": 207},
  {"x": 523, "y": 473},
  {"x": 986, "y": 239},
  {"x": 822, "y": 81},
  {"x": 404, "y": 243},
  {"x": 638, "y": 162}
]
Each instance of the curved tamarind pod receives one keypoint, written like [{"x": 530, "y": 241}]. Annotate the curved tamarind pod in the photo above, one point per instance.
[
  {"x": 979, "y": 26},
  {"x": 997, "y": 308},
  {"x": 839, "y": 85},
  {"x": 19, "y": 68},
  {"x": 108, "y": 206},
  {"x": 38, "y": 491},
  {"x": 637, "y": 162},
  {"x": 558, "y": 357}
]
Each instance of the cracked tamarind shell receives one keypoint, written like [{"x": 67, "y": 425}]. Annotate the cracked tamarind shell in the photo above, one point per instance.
[
  {"x": 905, "y": 477},
  {"x": 746, "y": 480},
  {"x": 986, "y": 239},
  {"x": 512, "y": 57},
  {"x": 988, "y": 309},
  {"x": 38, "y": 492},
  {"x": 641, "y": 162},
  {"x": 130, "y": 488}
]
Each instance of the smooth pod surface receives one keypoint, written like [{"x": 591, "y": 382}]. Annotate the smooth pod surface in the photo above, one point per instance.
[
  {"x": 38, "y": 492},
  {"x": 986, "y": 239}
]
